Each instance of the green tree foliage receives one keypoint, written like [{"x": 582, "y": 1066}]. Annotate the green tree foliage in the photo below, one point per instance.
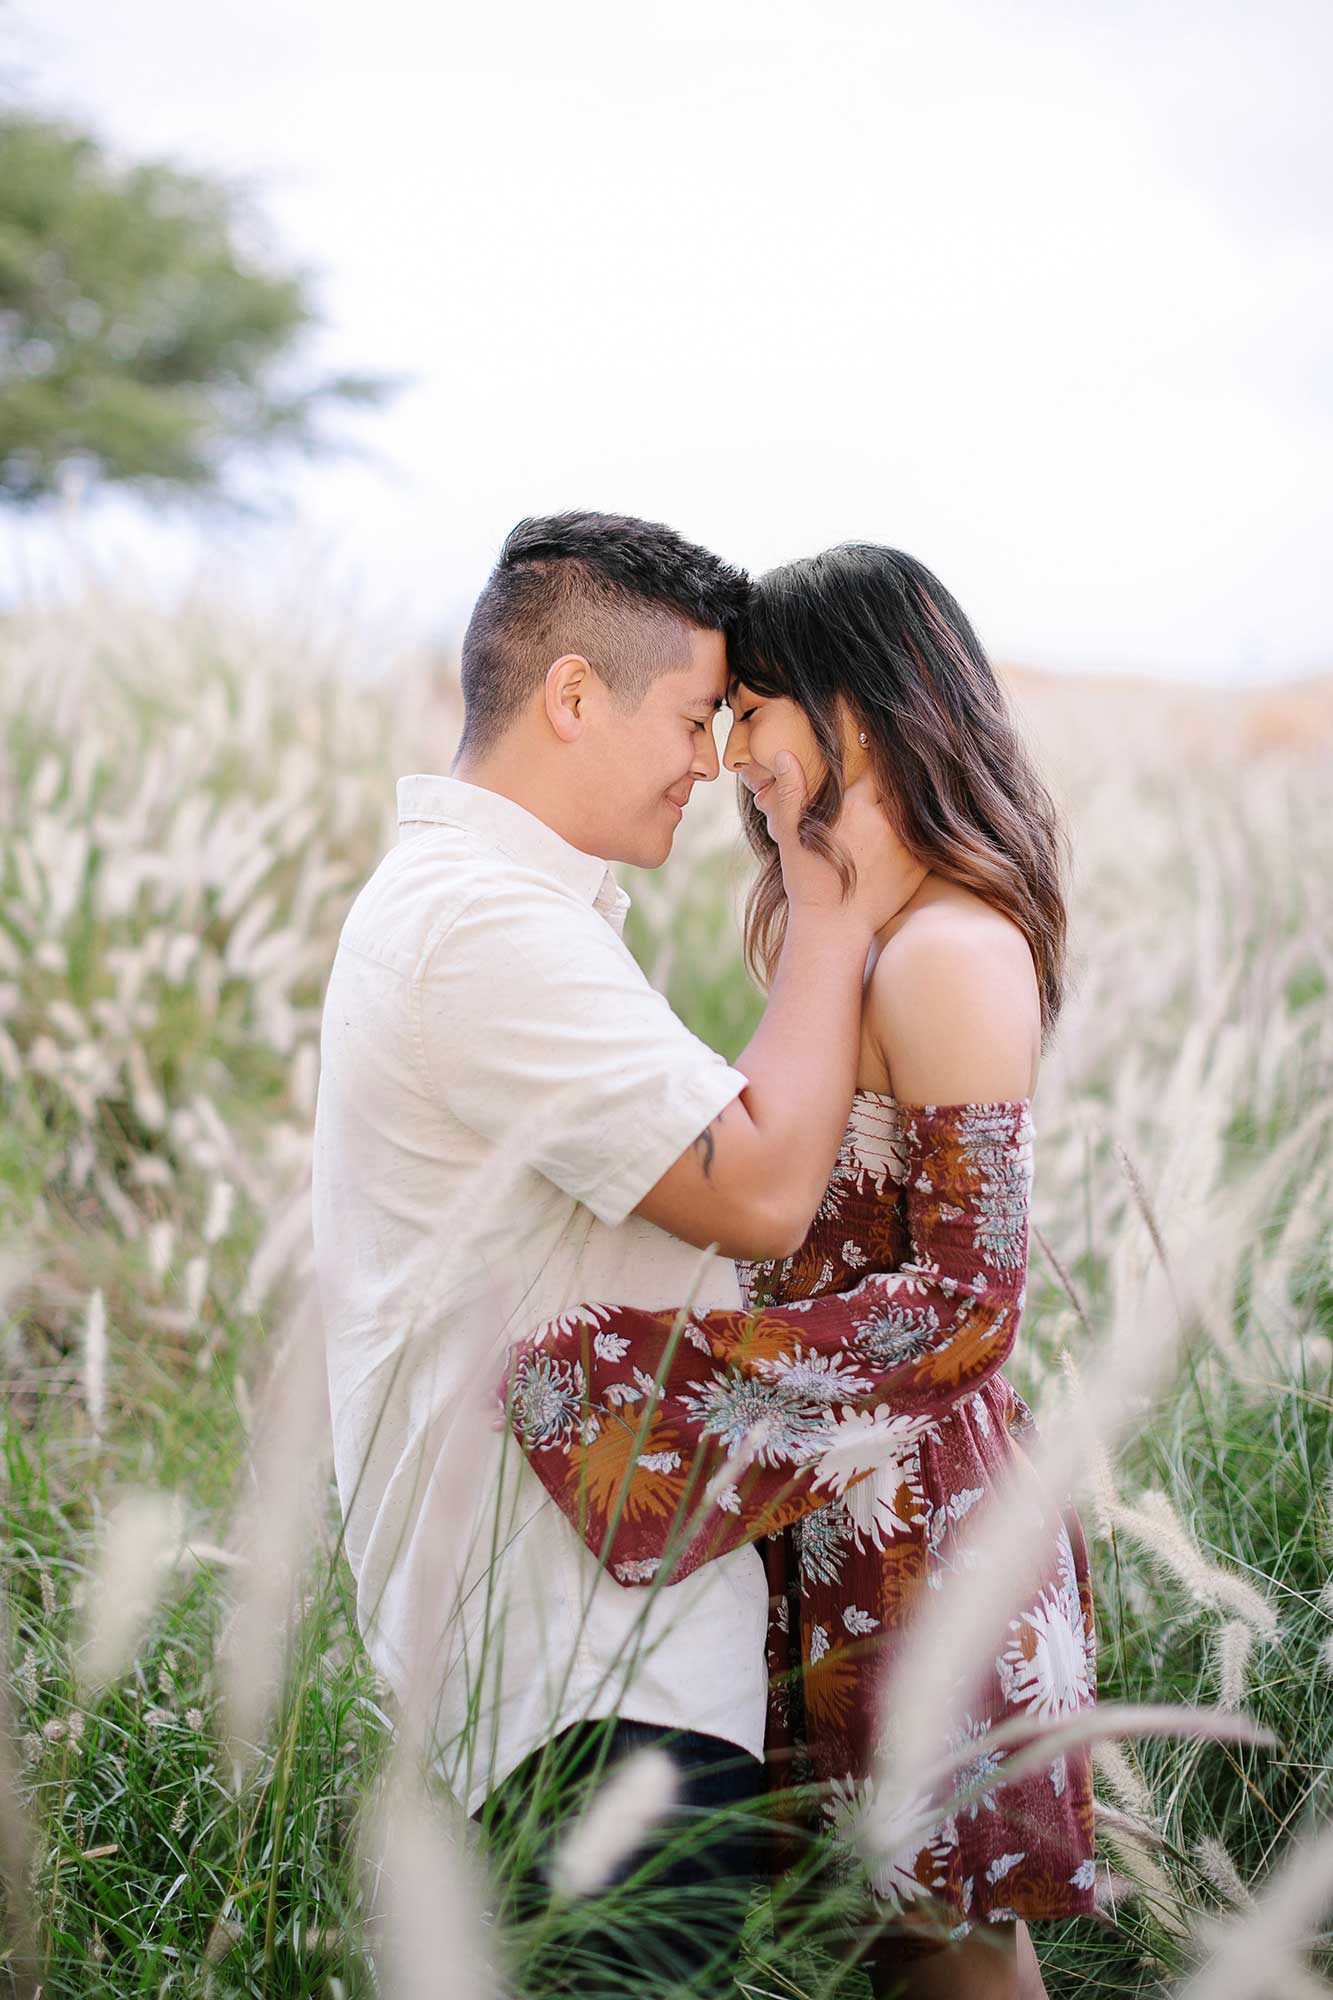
[{"x": 144, "y": 338}]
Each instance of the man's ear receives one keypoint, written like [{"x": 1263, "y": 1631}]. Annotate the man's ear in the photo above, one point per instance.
[{"x": 566, "y": 693}]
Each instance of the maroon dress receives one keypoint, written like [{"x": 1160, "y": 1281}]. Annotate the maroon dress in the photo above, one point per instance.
[{"x": 854, "y": 1415}]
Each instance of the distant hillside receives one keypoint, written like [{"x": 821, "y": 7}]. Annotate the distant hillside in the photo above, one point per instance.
[{"x": 1171, "y": 718}]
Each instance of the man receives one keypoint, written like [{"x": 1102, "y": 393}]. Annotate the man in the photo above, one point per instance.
[{"x": 511, "y": 1120}]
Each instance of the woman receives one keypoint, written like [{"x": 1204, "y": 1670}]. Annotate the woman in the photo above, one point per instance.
[{"x": 868, "y": 1364}]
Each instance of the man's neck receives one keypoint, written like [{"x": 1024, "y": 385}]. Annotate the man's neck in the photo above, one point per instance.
[{"x": 524, "y": 787}]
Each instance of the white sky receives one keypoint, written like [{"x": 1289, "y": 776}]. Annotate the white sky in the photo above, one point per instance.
[{"x": 1041, "y": 292}]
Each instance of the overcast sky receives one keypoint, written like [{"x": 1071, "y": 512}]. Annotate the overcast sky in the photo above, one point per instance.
[{"x": 1040, "y": 292}]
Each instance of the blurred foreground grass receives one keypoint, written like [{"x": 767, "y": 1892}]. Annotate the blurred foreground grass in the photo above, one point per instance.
[{"x": 188, "y": 807}]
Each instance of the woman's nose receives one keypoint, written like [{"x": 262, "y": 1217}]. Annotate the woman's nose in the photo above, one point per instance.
[{"x": 734, "y": 754}]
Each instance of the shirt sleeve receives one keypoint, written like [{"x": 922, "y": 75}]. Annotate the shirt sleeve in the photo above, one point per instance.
[{"x": 538, "y": 1030}]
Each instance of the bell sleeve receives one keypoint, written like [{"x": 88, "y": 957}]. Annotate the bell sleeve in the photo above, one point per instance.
[{"x": 670, "y": 1438}]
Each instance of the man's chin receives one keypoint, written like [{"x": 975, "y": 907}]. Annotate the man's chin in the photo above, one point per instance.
[{"x": 650, "y": 853}]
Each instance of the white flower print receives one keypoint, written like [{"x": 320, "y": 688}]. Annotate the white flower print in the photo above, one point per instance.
[
  {"x": 894, "y": 1834},
  {"x": 861, "y": 1441},
  {"x": 858, "y": 1622},
  {"x": 1003, "y": 1865},
  {"x": 779, "y": 1422},
  {"x": 894, "y": 1333},
  {"x": 852, "y": 1256},
  {"x": 1059, "y": 1776},
  {"x": 822, "y": 1541},
  {"x": 548, "y": 1399},
  {"x": 978, "y": 1769},
  {"x": 1085, "y": 1875},
  {"x": 638, "y": 1572},
  {"x": 875, "y": 1148},
  {"x": 610, "y": 1346},
  {"x": 818, "y": 1644},
  {"x": 565, "y": 1322},
  {"x": 887, "y": 1445},
  {"x": 616, "y": 1393},
  {"x": 830, "y": 1377},
  {"x": 1045, "y": 1668},
  {"x": 728, "y": 1499},
  {"x": 660, "y": 1461}
]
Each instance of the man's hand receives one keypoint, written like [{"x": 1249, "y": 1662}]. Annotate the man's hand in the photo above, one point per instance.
[
  {"x": 886, "y": 874},
  {"x": 753, "y": 1180}
]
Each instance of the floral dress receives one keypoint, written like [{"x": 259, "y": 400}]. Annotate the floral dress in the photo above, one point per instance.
[{"x": 853, "y": 1415}]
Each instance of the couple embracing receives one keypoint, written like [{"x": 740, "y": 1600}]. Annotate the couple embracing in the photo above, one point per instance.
[{"x": 521, "y": 1153}]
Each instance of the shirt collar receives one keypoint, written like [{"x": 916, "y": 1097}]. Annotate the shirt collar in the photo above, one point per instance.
[{"x": 425, "y": 799}]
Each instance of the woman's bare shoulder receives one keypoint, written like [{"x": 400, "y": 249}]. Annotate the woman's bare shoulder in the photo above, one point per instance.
[{"x": 952, "y": 1004}]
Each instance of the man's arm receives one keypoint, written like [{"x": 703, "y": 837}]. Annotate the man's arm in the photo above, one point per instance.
[{"x": 752, "y": 1181}]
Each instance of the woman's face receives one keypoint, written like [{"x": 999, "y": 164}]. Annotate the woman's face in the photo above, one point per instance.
[{"x": 764, "y": 724}]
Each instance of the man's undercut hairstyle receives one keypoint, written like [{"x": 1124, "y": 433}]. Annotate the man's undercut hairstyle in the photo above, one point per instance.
[{"x": 620, "y": 593}]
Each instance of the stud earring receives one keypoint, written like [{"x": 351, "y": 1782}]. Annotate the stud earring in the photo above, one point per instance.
[{"x": 862, "y": 738}]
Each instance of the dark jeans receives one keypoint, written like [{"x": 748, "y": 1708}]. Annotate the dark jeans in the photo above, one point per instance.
[{"x": 678, "y": 1918}]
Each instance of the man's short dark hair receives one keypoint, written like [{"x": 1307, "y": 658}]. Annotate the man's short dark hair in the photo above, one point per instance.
[{"x": 619, "y": 592}]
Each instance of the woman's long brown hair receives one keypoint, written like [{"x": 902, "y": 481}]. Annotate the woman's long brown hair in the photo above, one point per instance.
[{"x": 871, "y": 628}]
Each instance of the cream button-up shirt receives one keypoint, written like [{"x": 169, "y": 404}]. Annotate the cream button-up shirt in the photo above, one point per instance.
[{"x": 499, "y": 1087}]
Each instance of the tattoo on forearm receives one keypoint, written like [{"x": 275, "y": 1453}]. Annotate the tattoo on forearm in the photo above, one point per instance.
[{"x": 707, "y": 1147}]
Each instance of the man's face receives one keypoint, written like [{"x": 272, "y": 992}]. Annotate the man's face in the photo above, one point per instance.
[{"x": 640, "y": 765}]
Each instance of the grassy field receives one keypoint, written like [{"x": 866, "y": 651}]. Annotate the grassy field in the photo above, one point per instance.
[{"x": 188, "y": 807}]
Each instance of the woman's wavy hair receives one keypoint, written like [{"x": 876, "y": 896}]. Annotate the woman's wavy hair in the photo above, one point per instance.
[{"x": 871, "y": 628}]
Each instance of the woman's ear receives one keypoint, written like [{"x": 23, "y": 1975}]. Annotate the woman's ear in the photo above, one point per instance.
[{"x": 855, "y": 743}]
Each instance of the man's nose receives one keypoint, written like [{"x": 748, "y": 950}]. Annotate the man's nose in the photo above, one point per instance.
[{"x": 705, "y": 763}]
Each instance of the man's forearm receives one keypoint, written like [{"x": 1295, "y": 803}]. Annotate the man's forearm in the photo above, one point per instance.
[{"x": 802, "y": 1059}]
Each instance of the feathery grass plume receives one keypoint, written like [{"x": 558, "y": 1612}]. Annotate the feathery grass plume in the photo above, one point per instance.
[
  {"x": 1100, "y": 1475},
  {"x": 161, "y": 1243},
  {"x": 141, "y": 1536},
  {"x": 221, "y": 1204},
  {"x": 288, "y": 1466},
  {"x": 1158, "y": 1529},
  {"x": 1234, "y": 1644},
  {"x": 1218, "y": 1868},
  {"x": 1151, "y": 1882},
  {"x": 426, "y": 1895},
  {"x": 94, "y": 1361},
  {"x": 633, "y": 1799},
  {"x": 18, "y": 1846},
  {"x": 1112, "y": 1819},
  {"x": 1116, "y": 1766},
  {"x": 1030, "y": 1741},
  {"x": 1246, "y": 1957},
  {"x": 195, "y": 1286}
]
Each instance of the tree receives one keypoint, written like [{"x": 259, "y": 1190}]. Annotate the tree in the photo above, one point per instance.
[{"x": 144, "y": 338}]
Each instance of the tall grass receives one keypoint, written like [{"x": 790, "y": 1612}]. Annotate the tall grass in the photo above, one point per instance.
[{"x": 201, "y": 1792}]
